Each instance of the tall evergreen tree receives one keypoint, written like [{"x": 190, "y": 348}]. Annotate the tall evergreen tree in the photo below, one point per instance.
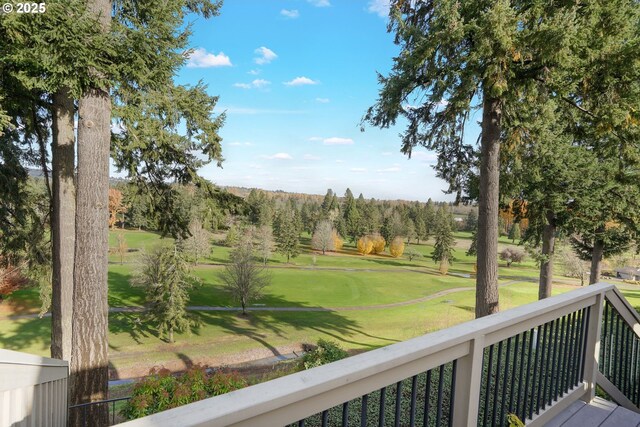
[
  {"x": 501, "y": 53},
  {"x": 444, "y": 240},
  {"x": 286, "y": 233},
  {"x": 351, "y": 215},
  {"x": 166, "y": 280}
]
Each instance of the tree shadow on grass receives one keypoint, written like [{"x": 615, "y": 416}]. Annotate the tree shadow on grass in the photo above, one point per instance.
[
  {"x": 132, "y": 324},
  {"x": 27, "y": 333},
  {"x": 119, "y": 286},
  {"x": 259, "y": 325},
  {"x": 393, "y": 262}
]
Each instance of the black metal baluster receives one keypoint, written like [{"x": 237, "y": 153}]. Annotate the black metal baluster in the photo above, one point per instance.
[
  {"x": 440, "y": 391},
  {"x": 507, "y": 356},
  {"x": 487, "y": 389},
  {"x": 563, "y": 356},
  {"x": 519, "y": 402},
  {"x": 398, "y": 402},
  {"x": 325, "y": 418},
  {"x": 585, "y": 329},
  {"x": 612, "y": 332},
  {"x": 427, "y": 396},
  {"x": 542, "y": 378},
  {"x": 617, "y": 362},
  {"x": 414, "y": 394},
  {"x": 636, "y": 363},
  {"x": 628, "y": 361},
  {"x": 363, "y": 410},
  {"x": 383, "y": 399},
  {"x": 345, "y": 414},
  {"x": 452, "y": 397},
  {"x": 526, "y": 390},
  {"x": 547, "y": 370},
  {"x": 494, "y": 410},
  {"x": 301, "y": 423},
  {"x": 513, "y": 373},
  {"x": 536, "y": 374},
  {"x": 572, "y": 349},
  {"x": 554, "y": 362},
  {"x": 570, "y": 353},
  {"x": 565, "y": 359}
]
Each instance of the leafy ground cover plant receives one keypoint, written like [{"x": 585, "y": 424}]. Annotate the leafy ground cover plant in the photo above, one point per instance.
[{"x": 161, "y": 390}]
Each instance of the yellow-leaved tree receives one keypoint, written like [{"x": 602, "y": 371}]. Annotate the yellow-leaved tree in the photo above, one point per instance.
[
  {"x": 338, "y": 242},
  {"x": 378, "y": 243},
  {"x": 396, "y": 248},
  {"x": 365, "y": 245}
]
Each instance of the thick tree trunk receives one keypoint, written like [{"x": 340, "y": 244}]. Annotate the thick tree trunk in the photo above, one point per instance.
[
  {"x": 89, "y": 361},
  {"x": 63, "y": 227},
  {"x": 596, "y": 261},
  {"x": 546, "y": 266},
  {"x": 487, "y": 237}
]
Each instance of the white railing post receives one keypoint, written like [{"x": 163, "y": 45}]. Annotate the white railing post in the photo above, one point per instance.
[
  {"x": 592, "y": 353},
  {"x": 468, "y": 381}
]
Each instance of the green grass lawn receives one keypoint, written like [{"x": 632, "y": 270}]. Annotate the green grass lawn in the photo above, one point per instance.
[{"x": 342, "y": 279}]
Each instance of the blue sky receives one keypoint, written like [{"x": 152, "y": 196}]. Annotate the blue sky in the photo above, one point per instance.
[{"x": 295, "y": 77}]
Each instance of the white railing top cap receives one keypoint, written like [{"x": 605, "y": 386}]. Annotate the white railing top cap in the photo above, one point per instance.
[{"x": 10, "y": 357}]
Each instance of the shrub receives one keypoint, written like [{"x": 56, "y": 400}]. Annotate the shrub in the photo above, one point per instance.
[
  {"x": 161, "y": 390},
  {"x": 511, "y": 255},
  {"x": 325, "y": 352}
]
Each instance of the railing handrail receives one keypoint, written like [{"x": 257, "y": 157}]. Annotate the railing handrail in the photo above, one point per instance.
[
  {"x": 347, "y": 378},
  {"x": 100, "y": 402}
]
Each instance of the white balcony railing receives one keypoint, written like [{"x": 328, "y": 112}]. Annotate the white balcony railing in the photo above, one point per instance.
[{"x": 33, "y": 390}]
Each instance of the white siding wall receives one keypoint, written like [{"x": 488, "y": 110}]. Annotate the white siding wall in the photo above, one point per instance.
[{"x": 33, "y": 390}]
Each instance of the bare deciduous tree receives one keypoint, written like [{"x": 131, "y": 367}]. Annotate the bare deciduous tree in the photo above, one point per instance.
[
  {"x": 323, "y": 238},
  {"x": 243, "y": 277}
]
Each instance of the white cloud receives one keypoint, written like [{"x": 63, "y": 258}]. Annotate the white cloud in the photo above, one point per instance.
[
  {"x": 388, "y": 170},
  {"x": 279, "y": 156},
  {"x": 337, "y": 141},
  {"x": 320, "y": 3},
  {"x": 311, "y": 157},
  {"x": 256, "y": 84},
  {"x": 301, "y": 81},
  {"x": 254, "y": 72},
  {"x": 387, "y": 153},
  {"x": 291, "y": 14},
  {"x": 379, "y": 7},
  {"x": 424, "y": 156},
  {"x": 200, "y": 58},
  {"x": 266, "y": 55},
  {"x": 316, "y": 138},
  {"x": 339, "y": 161},
  {"x": 322, "y": 100},
  {"x": 359, "y": 170},
  {"x": 240, "y": 144}
]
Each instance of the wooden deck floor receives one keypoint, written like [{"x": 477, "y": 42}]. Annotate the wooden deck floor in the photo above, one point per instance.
[{"x": 600, "y": 412}]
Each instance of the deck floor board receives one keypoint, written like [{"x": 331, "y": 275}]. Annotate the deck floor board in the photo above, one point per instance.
[{"x": 599, "y": 413}]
